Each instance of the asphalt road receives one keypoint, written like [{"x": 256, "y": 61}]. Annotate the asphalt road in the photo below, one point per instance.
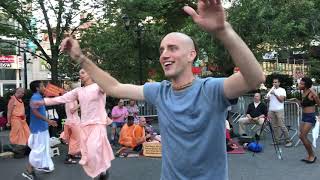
[{"x": 261, "y": 166}]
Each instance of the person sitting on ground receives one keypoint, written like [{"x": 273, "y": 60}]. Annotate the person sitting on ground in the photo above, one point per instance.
[
  {"x": 126, "y": 133},
  {"x": 256, "y": 113},
  {"x": 139, "y": 134},
  {"x": 154, "y": 136},
  {"x": 132, "y": 136},
  {"x": 230, "y": 145}
]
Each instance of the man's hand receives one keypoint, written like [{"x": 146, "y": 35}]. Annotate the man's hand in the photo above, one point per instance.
[
  {"x": 71, "y": 47},
  {"x": 272, "y": 92},
  {"x": 52, "y": 123},
  {"x": 210, "y": 16}
]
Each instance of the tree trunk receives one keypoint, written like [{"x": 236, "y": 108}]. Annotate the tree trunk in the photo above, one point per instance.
[{"x": 54, "y": 70}]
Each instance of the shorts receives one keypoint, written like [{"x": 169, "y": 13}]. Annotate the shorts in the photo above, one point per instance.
[
  {"x": 309, "y": 118},
  {"x": 117, "y": 124}
]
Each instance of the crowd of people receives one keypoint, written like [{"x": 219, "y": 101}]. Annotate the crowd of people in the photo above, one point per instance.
[
  {"x": 189, "y": 109},
  {"x": 84, "y": 130}
]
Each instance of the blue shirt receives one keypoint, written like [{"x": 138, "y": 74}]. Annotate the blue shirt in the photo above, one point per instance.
[
  {"x": 192, "y": 126},
  {"x": 36, "y": 124}
]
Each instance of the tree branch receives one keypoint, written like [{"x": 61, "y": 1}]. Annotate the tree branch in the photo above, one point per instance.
[
  {"x": 59, "y": 21},
  {"x": 46, "y": 18},
  {"x": 25, "y": 49},
  {"x": 21, "y": 21},
  {"x": 55, "y": 12}
]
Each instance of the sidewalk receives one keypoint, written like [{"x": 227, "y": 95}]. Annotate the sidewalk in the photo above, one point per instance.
[{"x": 4, "y": 139}]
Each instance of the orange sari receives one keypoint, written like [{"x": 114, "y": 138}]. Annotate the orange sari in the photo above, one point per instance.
[
  {"x": 126, "y": 136},
  {"x": 20, "y": 131},
  {"x": 138, "y": 135}
]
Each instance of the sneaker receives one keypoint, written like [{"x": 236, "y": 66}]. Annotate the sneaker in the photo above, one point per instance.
[
  {"x": 288, "y": 144},
  {"x": 27, "y": 175},
  {"x": 45, "y": 169}
]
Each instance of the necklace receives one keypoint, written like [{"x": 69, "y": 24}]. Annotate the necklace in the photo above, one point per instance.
[
  {"x": 20, "y": 101},
  {"x": 177, "y": 88}
]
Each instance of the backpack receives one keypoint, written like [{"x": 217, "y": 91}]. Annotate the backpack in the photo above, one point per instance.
[{"x": 255, "y": 147}]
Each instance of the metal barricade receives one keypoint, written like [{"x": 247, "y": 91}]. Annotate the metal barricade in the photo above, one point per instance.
[
  {"x": 145, "y": 109},
  {"x": 292, "y": 113},
  {"x": 240, "y": 108},
  {"x": 292, "y": 117}
]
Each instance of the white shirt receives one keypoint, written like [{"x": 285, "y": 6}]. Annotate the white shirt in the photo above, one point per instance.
[
  {"x": 275, "y": 104},
  {"x": 256, "y": 104}
]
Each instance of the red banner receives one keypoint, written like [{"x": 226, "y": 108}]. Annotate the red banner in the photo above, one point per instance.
[
  {"x": 7, "y": 59},
  {"x": 52, "y": 90}
]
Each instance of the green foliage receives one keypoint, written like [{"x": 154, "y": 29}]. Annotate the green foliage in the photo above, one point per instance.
[
  {"x": 283, "y": 26},
  {"x": 53, "y": 17},
  {"x": 315, "y": 69},
  {"x": 115, "y": 47},
  {"x": 279, "y": 23}
]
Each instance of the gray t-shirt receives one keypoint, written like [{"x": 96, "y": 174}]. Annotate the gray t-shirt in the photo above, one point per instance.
[{"x": 192, "y": 127}]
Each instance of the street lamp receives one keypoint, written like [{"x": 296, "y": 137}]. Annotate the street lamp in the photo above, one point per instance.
[
  {"x": 25, "y": 72},
  {"x": 138, "y": 29}
]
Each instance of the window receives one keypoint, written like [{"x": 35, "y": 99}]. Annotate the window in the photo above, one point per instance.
[{"x": 8, "y": 74}]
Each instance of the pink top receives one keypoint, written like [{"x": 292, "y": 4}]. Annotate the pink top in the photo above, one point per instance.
[
  {"x": 72, "y": 118},
  {"x": 92, "y": 103},
  {"x": 119, "y": 114}
]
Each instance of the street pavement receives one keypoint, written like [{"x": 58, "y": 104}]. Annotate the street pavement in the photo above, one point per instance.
[{"x": 260, "y": 166}]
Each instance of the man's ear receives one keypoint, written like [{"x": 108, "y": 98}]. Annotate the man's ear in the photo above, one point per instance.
[{"x": 192, "y": 55}]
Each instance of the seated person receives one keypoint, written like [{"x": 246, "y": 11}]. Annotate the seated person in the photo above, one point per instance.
[
  {"x": 230, "y": 145},
  {"x": 256, "y": 113},
  {"x": 139, "y": 134},
  {"x": 126, "y": 133},
  {"x": 132, "y": 136},
  {"x": 153, "y": 135}
]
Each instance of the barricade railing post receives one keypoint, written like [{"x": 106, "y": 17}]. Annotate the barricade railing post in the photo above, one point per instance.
[
  {"x": 292, "y": 116},
  {"x": 292, "y": 113}
]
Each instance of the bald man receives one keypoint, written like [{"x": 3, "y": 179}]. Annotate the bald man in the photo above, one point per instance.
[
  {"x": 20, "y": 132},
  {"x": 191, "y": 110}
]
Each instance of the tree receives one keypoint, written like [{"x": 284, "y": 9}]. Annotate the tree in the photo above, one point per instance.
[
  {"x": 283, "y": 26},
  {"x": 53, "y": 17},
  {"x": 115, "y": 47}
]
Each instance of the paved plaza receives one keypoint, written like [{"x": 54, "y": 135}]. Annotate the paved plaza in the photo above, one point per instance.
[{"x": 261, "y": 166}]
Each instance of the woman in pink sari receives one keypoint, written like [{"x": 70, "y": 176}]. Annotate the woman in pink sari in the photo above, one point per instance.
[{"x": 96, "y": 152}]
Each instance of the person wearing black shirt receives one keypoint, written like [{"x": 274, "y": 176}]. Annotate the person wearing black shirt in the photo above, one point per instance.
[{"x": 256, "y": 113}]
